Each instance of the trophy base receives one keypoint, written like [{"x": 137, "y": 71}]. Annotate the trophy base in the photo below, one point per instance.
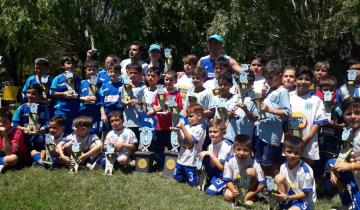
[
  {"x": 144, "y": 162},
  {"x": 170, "y": 163}
]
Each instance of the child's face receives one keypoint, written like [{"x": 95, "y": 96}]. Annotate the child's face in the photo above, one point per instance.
[
  {"x": 256, "y": 67},
  {"x": 194, "y": 118},
  {"x": 169, "y": 81},
  {"x": 5, "y": 123},
  {"x": 328, "y": 88},
  {"x": 216, "y": 135},
  {"x": 188, "y": 67},
  {"x": 303, "y": 83},
  {"x": 292, "y": 155},
  {"x": 242, "y": 151},
  {"x": 197, "y": 81},
  {"x": 114, "y": 75},
  {"x": 41, "y": 69},
  {"x": 69, "y": 65},
  {"x": 224, "y": 87},
  {"x": 274, "y": 80},
  {"x": 154, "y": 55},
  {"x": 352, "y": 116},
  {"x": 116, "y": 123},
  {"x": 109, "y": 62},
  {"x": 91, "y": 71},
  {"x": 134, "y": 75},
  {"x": 288, "y": 79},
  {"x": 219, "y": 70},
  {"x": 32, "y": 95},
  {"x": 82, "y": 131},
  {"x": 152, "y": 78},
  {"x": 320, "y": 73},
  {"x": 55, "y": 129}
]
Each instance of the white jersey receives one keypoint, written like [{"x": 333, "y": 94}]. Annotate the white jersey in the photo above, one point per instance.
[
  {"x": 126, "y": 62},
  {"x": 85, "y": 142},
  {"x": 214, "y": 84},
  {"x": 187, "y": 156},
  {"x": 149, "y": 98},
  {"x": 235, "y": 168},
  {"x": 221, "y": 150},
  {"x": 123, "y": 135},
  {"x": 312, "y": 107},
  {"x": 258, "y": 84},
  {"x": 301, "y": 179}
]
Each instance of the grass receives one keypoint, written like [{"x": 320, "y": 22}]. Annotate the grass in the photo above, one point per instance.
[{"x": 37, "y": 188}]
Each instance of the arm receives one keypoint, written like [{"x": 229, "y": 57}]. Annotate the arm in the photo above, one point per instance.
[
  {"x": 94, "y": 150},
  {"x": 232, "y": 188},
  {"x": 278, "y": 112},
  {"x": 313, "y": 130},
  {"x": 119, "y": 146},
  {"x": 235, "y": 65},
  {"x": 6, "y": 142}
]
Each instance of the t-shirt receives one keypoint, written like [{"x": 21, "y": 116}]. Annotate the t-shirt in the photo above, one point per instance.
[
  {"x": 86, "y": 90},
  {"x": 18, "y": 147},
  {"x": 32, "y": 80},
  {"x": 183, "y": 84},
  {"x": 312, "y": 107},
  {"x": 301, "y": 179},
  {"x": 123, "y": 135},
  {"x": 131, "y": 114},
  {"x": 103, "y": 76},
  {"x": 149, "y": 98},
  {"x": 110, "y": 95},
  {"x": 258, "y": 84},
  {"x": 343, "y": 92},
  {"x": 22, "y": 115},
  {"x": 188, "y": 156},
  {"x": 222, "y": 150},
  {"x": 85, "y": 142},
  {"x": 213, "y": 84},
  {"x": 125, "y": 62},
  {"x": 208, "y": 64}
]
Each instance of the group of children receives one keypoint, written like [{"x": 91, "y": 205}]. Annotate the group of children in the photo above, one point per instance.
[{"x": 278, "y": 122}]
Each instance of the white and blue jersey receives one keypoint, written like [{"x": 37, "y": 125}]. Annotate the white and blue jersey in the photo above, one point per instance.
[
  {"x": 343, "y": 92},
  {"x": 22, "y": 114},
  {"x": 222, "y": 150},
  {"x": 270, "y": 130},
  {"x": 131, "y": 114},
  {"x": 32, "y": 80},
  {"x": 103, "y": 76},
  {"x": 208, "y": 64},
  {"x": 110, "y": 94}
]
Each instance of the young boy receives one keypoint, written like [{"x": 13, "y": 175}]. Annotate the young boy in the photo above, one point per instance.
[
  {"x": 296, "y": 184},
  {"x": 103, "y": 74},
  {"x": 185, "y": 81},
  {"x": 32, "y": 118},
  {"x": 163, "y": 117},
  {"x": 311, "y": 109},
  {"x": 276, "y": 106},
  {"x": 152, "y": 78},
  {"x": 123, "y": 139},
  {"x": 214, "y": 157},
  {"x": 191, "y": 137},
  {"x": 132, "y": 98},
  {"x": 344, "y": 92},
  {"x": 241, "y": 165},
  {"x": 321, "y": 70},
  {"x": 89, "y": 144},
  {"x": 65, "y": 89},
  {"x": 288, "y": 78},
  {"x": 13, "y": 151},
  {"x": 56, "y": 129}
]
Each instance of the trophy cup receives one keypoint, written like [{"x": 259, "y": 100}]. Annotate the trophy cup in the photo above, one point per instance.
[
  {"x": 350, "y": 86},
  {"x": 242, "y": 88},
  {"x": 128, "y": 89},
  {"x": 70, "y": 83},
  {"x": 33, "y": 117},
  {"x": 161, "y": 97},
  {"x": 297, "y": 122},
  {"x": 221, "y": 111},
  {"x": 109, "y": 159},
  {"x": 328, "y": 103},
  {"x": 93, "y": 87},
  {"x": 168, "y": 59},
  {"x": 75, "y": 154},
  {"x": 191, "y": 95},
  {"x": 346, "y": 147},
  {"x": 144, "y": 158},
  {"x": 271, "y": 188},
  {"x": 43, "y": 82},
  {"x": 50, "y": 148},
  {"x": 202, "y": 174},
  {"x": 258, "y": 100},
  {"x": 242, "y": 182}
]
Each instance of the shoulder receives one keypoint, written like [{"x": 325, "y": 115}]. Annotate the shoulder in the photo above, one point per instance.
[
  {"x": 305, "y": 167},
  {"x": 205, "y": 57},
  {"x": 227, "y": 143},
  {"x": 230, "y": 158}
]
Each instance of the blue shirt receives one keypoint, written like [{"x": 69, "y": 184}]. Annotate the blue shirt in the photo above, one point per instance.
[
  {"x": 208, "y": 64},
  {"x": 86, "y": 91},
  {"x": 110, "y": 96},
  {"x": 33, "y": 80},
  {"x": 131, "y": 114},
  {"x": 22, "y": 113},
  {"x": 103, "y": 76},
  {"x": 344, "y": 92}
]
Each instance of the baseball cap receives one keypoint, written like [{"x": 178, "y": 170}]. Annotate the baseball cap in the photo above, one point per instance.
[
  {"x": 217, "y": 37},
  {"x": 154, "y": 47}
]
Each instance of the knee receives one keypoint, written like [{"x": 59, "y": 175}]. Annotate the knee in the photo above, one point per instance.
[
  {"x": 251, "y": 172},
  {"x": 10, "y": 160},
  {"x": 228, "y": 196},
  {"x": 123, "y": 160},
  {"x": 279, "y": 179}
]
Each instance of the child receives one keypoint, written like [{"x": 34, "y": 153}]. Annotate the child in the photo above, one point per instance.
[
  {"x": 152, "y": 78},
  {"x": 191, "y": 137},
  {"x": 132, "y": 99},
  {"x": 296, "y": 184},
  {"x": 65, "y": 89},
  {"x": 257, "y": 65},
  {"x": 276, "y": 106},
  {"x": 13, "y": 151},
  {"x": 103, "y": 74},
  {"x": 110, "y": 96},
  {"x": 123, "y": 139},
  {"x": 33, "y": 119},
  {"x": 89, "y": 95},
  {"x": 56, "y": 129},
  {"x": 163, "y": 118},
  {"x": 241, "y": 165},
  {"x": 288, "y": 78},
  {"x": 311, "y": 109},
  {"x": 344, "y": 92},
  {"x": 185, "y": 81},
  {"x": 321, "y": 70},
  {"x": 89, "y": 144},
  {"x": 214, "y": 157}
]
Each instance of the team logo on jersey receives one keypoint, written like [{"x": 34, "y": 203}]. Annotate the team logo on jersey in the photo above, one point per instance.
[
  {"x": 308, "y": 106},
  {"x": 273, "y": 98}
]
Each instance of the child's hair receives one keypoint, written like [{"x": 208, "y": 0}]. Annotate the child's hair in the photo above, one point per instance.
[
  {"x": 135, "y": 65},
  {"x": 116, "y": 67},
  {"x": 353, "y": 61},
  {"x": 328, "y": 81},
  {"x": 42, "y": 61},
  {"x": 59, "y": 120},
  {"x": 251, "y": 77},
  {"x": 172, "y": 73},
  {"x": 223, "y": 62},
  {"x": 350, "y": 102},
  {"x": 83, "y": 121},
  {"x": 272, "y": 68},
  {"x": 322, "y": 65},
  {"x": 36, "y": 87},
  {"x": 67, "y": 58},
  {"x": 287, "y": 68},
  {"x": 195, "y": 108},
  {"x": 217, "y": 123},
  {"x": 242, "y": 139},
  {"x": 200, "y": 72},
  {"x": 227, "y": 76},
  {"x": 5, "y": 113},
  {"x": 114, "y": 57},
  {"x": 293, "y": 142},
  {"x": 91, "y": 64},
  {"x": 154, "y": 69},
  {"x": 192, "y": 59},
  {"x": 116, "y": 114},
  {"x": 304, "y": 70},
  {"x": 260, "y": 57}
]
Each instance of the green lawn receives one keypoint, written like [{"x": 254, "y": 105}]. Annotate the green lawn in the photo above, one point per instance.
[{"x": 37, "y": 188}]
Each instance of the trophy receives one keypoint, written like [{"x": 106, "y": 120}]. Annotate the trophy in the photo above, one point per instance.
[
  {"x": 70, "y": 83},
  {"x": 43, "y": 82},
  {"x": 161, "y": 97},
  {"x": 50, "y": 148},
  {"x": 191, "y": 95},
  {"x": 242, "y": 87},
  {"x": 216, "y": 91},
  {"x": 144, "y": 158},
  {"x": 128, "y": 89},
  {"x": 242, "y": 181},
  {"x": 346, "y": 147},
  {"x": 297, "y": 122},
  {"x": 328, "y": 103},
  {"x": 258, "y": 100},
  {"x": 109, "y": 159},
  {"x": 202, "y": 174},
  {"x": 168, "y": 59},
  {"x": 350, "y": 86},
  {"x": 75, "y": 154},
  {"x": 221, "y": 111},
  {"x": 271, "y": 188},
  {"x": 33, "y": 117}
]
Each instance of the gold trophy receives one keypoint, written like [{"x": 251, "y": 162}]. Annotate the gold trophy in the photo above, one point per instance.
[
  {"x": 168, "y": 59},
  {"x": 128, "y": 89},
  {"x": 109, "y": 159},
  {"x": 43, "y": 82},
  {"x": 346, "y": 147},
  {"x": 221, "y": 111},
  {"x": 33, "y": 117},
  {"x": 50, "y": 148},
  {"x": 70, "y": 83},
  {"x": 75, "y": 154},
  {"x": 328, "y": 103},
  {"x": 161, "y": 97},
  {"x": 242, "y": 182},
  {"x": 350, "y": 85}
]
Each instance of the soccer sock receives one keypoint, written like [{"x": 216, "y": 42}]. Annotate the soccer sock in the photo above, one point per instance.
[
  {"x": 2, "y": 160},
  {"x": 37, "y": 158}
]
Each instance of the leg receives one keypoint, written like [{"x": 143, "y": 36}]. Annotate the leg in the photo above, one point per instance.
[
  {"x": 122, "y": 159},
  {"x": 282, "y": 184},
  {"x": 228, "y": 196},
  {"x": 253, "y": 185},
  {"x": 192, "y": 176},
  {"x": 10, "y": 160},
  {"x": 179, "y": 173}
]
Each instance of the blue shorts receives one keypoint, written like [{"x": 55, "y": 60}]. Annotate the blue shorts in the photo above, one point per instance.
[
  {"x": 217, "y": 187},
  {"x": 302, "y": 204},
  {"x": 186, "y": 174},
  {"x": 267, "y": 154}
]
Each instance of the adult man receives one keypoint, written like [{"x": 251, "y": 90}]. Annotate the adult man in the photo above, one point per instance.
[{"x": 135, "y": 53}]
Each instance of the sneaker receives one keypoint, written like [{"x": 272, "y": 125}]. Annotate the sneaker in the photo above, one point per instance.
[
  {"x": 1, "y": 168},
  {"x": 132, "y": 163}
]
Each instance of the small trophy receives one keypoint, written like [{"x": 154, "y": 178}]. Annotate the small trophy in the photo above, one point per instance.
[
  {"x": 242, "y": 87},
  {"x": 258, "y": 100},
  {"x": 191, "y": 95},
  {"x": 350, "y": 86},
  {"x": 328, "y": 103},
  {"x": 216, "y": 91},
  {"x": 75, "y": 154},
  {"x": 297, "y": 122},
  {"x": 50, "y": 148},
  {"x": 43, "y": 82},
  {"x": 346, "y": 147},
  {"x": 271, "y": 188},
  {"x": 33, "y": 117},
  {"x": 128, "y": 89},
  {"x": 144, "y": 158},
  {"x": 161, "y": 97},
  {"x": 168, "y": 60},
  {"x": 109, "y": 159},
  {"x": 242, "y": 182},
  {"x": 202, "y": 174},
  {"x": 221, "y": 111},
  {"x": 175, "y": 112},
  {"x": 70, "y": 83}
]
